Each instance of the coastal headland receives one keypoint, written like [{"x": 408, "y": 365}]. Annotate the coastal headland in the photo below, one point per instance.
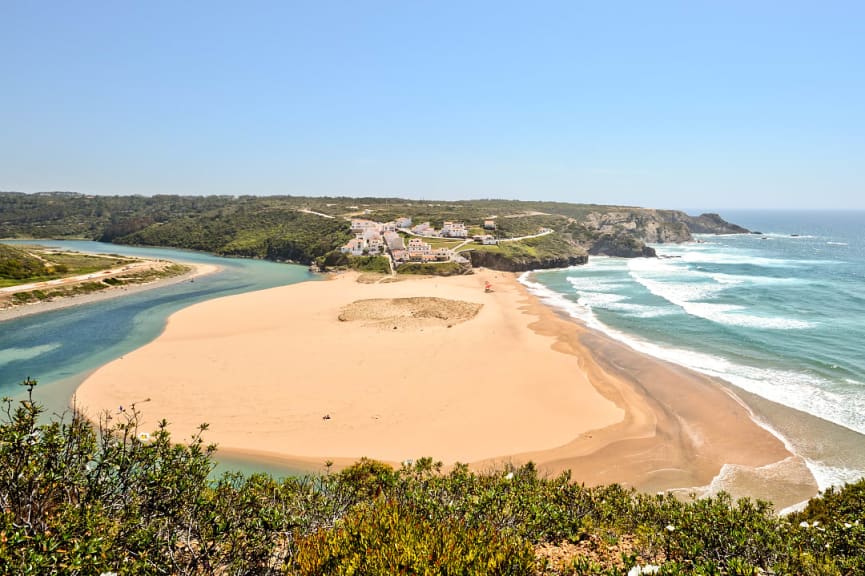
[{"x": 441, "y": 367}]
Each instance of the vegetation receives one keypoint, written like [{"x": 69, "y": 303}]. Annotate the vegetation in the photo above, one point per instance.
[
  {"x": 18, "y": 265},
  {"x": 82, "y": 499},
  {"x": 432, "y": 268},
  {"x": 282, "y": 228},
  {"x": 26, "y": 264}
]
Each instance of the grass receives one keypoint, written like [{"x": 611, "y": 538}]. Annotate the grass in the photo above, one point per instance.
[
  {"x": 442, "y": 243},
  {"x": 53, "y": 264}
]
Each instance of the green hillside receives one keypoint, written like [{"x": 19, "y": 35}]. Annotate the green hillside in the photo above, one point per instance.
[{"x": 18, "y": 264}]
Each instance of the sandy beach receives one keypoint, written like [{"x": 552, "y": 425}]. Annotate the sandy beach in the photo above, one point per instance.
[{"x": 339, "y": 370}]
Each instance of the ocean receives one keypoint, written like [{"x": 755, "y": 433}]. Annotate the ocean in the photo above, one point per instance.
[{"x": 779, "y": 315}]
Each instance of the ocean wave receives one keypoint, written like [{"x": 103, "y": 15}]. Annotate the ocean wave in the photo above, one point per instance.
[
  {"x": 837, "y": 243},
  {"x": 810, "y": 394},
  {"x": 827, "y": 475},
  {"x": 690, "y": 296},
  {"x": 593, "y": 283},
  {"x": 619, "y": 303}
]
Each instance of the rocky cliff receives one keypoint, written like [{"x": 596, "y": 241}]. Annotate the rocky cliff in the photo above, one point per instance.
[{"x": 498, "y": 261}]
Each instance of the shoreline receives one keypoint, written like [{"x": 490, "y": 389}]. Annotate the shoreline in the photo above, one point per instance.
[
  {"x": 621, "y": 416},
  {"x": 21, "y": 310}
]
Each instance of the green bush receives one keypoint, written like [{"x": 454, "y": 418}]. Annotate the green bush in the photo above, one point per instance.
[
  {"x": 76, "y": 498},
  {"x": 385, "y": 537}
]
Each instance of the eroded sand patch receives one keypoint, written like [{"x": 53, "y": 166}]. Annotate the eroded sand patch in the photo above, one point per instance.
[{"x": 417, "y": 312}]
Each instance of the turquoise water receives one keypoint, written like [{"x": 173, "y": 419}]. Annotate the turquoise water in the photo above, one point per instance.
[
  {"x": 59, "y": 348},
  {"x": 780, "y": 315}
]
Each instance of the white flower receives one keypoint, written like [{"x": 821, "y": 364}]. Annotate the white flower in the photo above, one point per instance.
[
  {"x": 847, "y": 525},
  {"x": 804, "y": 524},
  {"x": 108, "y": 574},
  {"x": 509, "y": 476},
  {"x": 647, "y": 569},
  {"x": 144, "y": 437},
  {"x": 671, "y": 528}
]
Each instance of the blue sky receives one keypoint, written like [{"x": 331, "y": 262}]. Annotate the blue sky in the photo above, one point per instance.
[{"x": 728, "y": 104}]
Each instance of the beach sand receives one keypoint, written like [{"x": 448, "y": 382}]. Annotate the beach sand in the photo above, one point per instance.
[{"x": 510, "y": 380}]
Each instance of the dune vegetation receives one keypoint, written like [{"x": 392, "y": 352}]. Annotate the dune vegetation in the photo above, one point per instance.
[{"x": 81, "y": 498}]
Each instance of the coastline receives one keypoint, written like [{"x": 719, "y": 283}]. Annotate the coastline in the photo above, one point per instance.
[
  {"x": 519, "y": 382},
  {"x": 19, "y": 311}
]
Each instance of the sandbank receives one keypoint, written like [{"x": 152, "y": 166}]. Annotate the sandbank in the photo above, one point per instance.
[
  {"x": 515, "y": 382},
  {"x": 59, "y": 302}
]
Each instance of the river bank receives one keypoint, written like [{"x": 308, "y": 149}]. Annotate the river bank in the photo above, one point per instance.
[{"x": 196, "y": 270}]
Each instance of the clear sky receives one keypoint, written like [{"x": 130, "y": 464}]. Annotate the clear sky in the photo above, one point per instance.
[{"x": 722, "y": 104}]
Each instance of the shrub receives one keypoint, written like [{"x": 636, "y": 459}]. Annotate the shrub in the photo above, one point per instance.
[{"x": 386, "y": 537}]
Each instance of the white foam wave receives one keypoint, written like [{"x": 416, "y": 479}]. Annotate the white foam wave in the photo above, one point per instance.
[
  {"x": 690, "y": 296},
  {"x": 808, "y": 393},
  {"x": 593, "y": 283},
  {"x": 837, "y": 243},
  {"x": 619, "y": 303},
  {"x": 827, "y": 476},
  {"x": 10, "y": 355}
]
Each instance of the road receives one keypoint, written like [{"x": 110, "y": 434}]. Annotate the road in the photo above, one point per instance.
[{"x": 128, "y": 268}]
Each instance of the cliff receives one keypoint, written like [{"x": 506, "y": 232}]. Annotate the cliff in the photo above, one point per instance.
[
  {"x": 626, "y": 231},
  {"x": 499, "y": 261}
]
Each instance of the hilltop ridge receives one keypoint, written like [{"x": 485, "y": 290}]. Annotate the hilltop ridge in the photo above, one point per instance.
[{"x": 309, "y": 229}]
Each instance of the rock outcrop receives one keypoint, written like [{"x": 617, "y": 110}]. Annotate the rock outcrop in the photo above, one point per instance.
[
  {"x": 622, "y": 245},
  {"x": 497, "y": 261},
  {"x": 711, "y": 223}
]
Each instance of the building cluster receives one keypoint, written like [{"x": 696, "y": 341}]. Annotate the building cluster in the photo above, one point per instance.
[{"x": 375, "y": 238}]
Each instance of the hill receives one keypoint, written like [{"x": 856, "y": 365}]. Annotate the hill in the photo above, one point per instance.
[{"x": 303, "y": 229}]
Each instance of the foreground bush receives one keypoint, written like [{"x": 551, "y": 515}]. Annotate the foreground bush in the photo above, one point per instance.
[{"x": 82, "y": 499}]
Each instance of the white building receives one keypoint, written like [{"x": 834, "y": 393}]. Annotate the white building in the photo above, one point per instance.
[
  {"x": 354, "y": 247},
  {"x": 454, "y": 230}
]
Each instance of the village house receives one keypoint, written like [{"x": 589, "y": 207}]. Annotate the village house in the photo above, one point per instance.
[
  {"x": 420, "y": 250},
  {"x": 443, "y": 254},
  {"x": 403, "y": 222},
  {"x": 353, "y": 247},
  {"x": 489, "y": 224},
  {"x": 454, "y": 230},
  {"x": 488, "y": 239}
]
